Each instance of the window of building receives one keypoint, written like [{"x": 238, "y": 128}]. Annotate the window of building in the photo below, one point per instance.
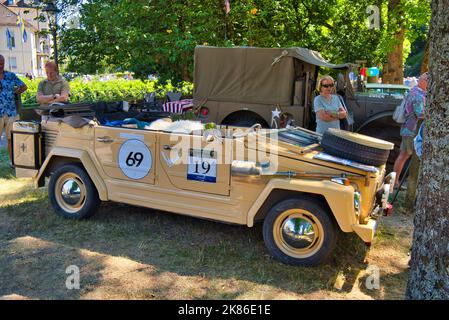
[
  {"x": 13, "y": 40},
  {"x": 12, "y": 63}
]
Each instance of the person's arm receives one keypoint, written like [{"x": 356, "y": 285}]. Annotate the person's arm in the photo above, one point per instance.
[
  {"x": 44, "y": 99},
  {"x": 64, "y": 96},
  {"x": 326, "y": 116},
  {"x": 342, "y": 113},
  {"x": 21, "y": 89},
  {"x": 21, "y": 86},
  {"x": 321, "y": 112}
]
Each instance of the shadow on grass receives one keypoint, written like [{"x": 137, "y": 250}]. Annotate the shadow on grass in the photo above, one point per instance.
[
  {"x": 169, "y": 247},
  {"x": 396, "y": 283}
]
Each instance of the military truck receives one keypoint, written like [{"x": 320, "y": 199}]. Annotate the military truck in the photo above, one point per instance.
[
  {"x": 299, "y": 184},
  {"x": 245, "y": 85},
  {"x": 275, "y": 87}
]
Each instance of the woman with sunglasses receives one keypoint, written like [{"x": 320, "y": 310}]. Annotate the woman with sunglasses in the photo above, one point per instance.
[{"x": 328, "y": 106}]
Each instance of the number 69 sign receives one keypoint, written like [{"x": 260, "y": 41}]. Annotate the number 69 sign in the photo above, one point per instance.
[{"x": 135, "y": 159}]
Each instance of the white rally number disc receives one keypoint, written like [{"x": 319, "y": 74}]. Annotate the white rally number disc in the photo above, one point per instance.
[{"x": 135, "y": 159}]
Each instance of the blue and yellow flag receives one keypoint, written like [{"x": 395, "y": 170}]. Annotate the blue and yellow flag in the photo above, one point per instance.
[
  {"x": 9, "y": 39},
  {"x": 20, "y": 23}
]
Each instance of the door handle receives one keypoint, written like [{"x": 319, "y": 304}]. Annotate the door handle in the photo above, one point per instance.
[
  {"x": 167, "y": 147},
  {"x": 105, "y": 139}
]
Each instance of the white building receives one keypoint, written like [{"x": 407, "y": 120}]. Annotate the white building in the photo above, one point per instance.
[{"x": 29, "y": 56}]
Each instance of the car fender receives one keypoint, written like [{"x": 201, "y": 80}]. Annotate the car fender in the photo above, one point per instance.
[
  {"x": 340, "y": 198},
  {"x": 84, "y": 157},
  {"x": 378, "y": 116}
]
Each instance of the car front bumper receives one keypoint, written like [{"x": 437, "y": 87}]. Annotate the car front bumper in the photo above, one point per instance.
[{"x": 367, "y": 231}]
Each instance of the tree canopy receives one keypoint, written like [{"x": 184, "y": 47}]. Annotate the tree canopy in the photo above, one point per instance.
[{"x": 159, "y": 36}]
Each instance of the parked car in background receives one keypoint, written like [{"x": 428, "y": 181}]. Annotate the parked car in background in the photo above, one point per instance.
[
  {"x": 385, "y": 90},
  {"x": 372, "y": 109}
]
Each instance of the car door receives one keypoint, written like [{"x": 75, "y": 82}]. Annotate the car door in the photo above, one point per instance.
[
  {"x": 126, "y": 154},
  {"x": 191, "y": 163}
]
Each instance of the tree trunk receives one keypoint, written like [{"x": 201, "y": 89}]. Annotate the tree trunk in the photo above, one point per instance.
[
  {"x": 425, "y": 60},
  {"x": 429, "y": 269},
  {"x": 412, "y": 183},
  {"x": 393, "y": 69}
]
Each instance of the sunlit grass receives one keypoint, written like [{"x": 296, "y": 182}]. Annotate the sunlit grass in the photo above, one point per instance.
[{"x": 6, "y": 172}]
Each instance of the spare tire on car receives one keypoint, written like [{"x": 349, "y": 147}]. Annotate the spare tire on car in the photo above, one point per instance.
[{"x": 356, "y": 147}]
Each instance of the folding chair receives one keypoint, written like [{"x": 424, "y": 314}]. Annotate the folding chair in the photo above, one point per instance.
[
  {"x": 173, "y": 96},
  {"x": 150, "y": 102},
  {"x": 150, "y": 97}
]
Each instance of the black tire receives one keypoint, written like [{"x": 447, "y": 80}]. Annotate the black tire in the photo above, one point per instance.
[
  {"x": 245, "y": 120},
  {"x": 350, "y": 150},
  {"x": 291, "y": 251},
  {"x": 390, "y": 134},
  {"x": 73, "y": 206}
]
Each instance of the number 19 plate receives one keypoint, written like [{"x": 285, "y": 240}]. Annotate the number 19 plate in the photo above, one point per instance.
[{"x": 202, "y": 166}]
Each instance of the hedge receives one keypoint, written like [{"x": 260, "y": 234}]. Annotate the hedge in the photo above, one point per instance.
[{"x": 110, "y": 90}]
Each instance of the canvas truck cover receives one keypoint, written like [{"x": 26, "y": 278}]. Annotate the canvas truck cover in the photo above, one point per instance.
[{"x": 250, "y": 75}]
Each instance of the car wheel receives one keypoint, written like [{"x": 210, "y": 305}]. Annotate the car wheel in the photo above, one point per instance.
[
  {"x": 72, "y": 193},
  {"x": 244, "y": 120},
  {"x": 300, "y": 231},
  {"x": 357, "y": 147}
]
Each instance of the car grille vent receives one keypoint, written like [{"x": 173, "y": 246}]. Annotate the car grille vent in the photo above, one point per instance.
[{"x": 50, "y": 138}]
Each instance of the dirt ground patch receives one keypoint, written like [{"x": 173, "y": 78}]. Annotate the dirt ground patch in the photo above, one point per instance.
[{"x": 127, "y": 252}]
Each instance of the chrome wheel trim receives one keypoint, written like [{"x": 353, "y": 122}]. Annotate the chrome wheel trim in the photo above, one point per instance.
[
  {"x": 70, "y": 192},
  {"x": 298, "y": 233}
]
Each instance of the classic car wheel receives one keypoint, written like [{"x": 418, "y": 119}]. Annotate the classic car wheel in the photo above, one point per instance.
[
  {"x": 356, "y": 147},
  {"x": 300, "y": 231},
  {"x": 72, "y": 193}
]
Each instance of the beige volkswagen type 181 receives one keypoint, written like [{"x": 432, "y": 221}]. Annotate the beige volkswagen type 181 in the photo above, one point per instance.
[{"x": 300, "y": 184}]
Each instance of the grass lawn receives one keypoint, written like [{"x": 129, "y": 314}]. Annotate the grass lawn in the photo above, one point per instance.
[{"x": 126, "y": 252}]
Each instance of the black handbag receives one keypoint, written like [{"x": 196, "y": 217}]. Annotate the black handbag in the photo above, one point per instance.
[{"x": 344, "y": 123}]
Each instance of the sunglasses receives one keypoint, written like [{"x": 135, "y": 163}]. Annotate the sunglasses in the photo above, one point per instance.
[{"x": 327, "y": 85}]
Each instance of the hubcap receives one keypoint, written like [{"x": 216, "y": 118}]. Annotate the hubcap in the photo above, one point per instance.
[
  {"x": 70, "y": 192},
  {"x": 298, "y": 233}
]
